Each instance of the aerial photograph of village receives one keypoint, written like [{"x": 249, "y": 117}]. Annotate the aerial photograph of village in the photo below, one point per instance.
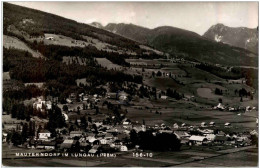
[{"x": 130, "y": 84}]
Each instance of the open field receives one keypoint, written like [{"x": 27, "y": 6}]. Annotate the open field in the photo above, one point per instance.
[
  {"x": 108, "y": 64},
  {"x": 151, "y": 49},
  {"x": 191, "y": 114},
  {"x": 13, "y": 42},
  {"x": 206, "y": 93},
  {"x": 55, "y": 39},
  {"x": 162, "y": 83}
]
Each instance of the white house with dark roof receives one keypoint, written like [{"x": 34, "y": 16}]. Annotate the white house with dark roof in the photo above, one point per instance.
[
  {"x": 199, "y": 140},
  {"x": 44, "y": 134}
]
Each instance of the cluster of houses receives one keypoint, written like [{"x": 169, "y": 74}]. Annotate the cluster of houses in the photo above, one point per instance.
[
  {"x": 221, "y": 107},
  {"x": 79, "y": 141},
  {"x": 205, "y": 135},
  {"x": 110, "y": 138}
]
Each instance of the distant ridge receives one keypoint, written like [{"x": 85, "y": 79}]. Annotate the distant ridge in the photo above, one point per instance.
[
  {"x": 237, "y": 36},
  {"x": 188, "y": 44}
]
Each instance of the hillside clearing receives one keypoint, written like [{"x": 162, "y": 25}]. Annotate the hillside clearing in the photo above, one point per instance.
[
  {"x": 108, "y": 64},
  {"x": 13, "y": 42},
  {"x": 206, "y": 93}
]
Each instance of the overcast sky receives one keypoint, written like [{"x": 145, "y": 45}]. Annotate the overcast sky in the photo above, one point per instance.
[{"x": 193, "y": 16}]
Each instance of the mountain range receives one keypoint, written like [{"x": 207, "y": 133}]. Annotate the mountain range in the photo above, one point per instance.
[
  {"x": 188, "y": 44},
  {"x": 126, "y": 39},
  {"x": 236, "y": 36}
]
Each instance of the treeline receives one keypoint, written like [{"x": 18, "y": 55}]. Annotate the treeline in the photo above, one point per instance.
[
  {"x": 20, "y": 111},
  {"x": 218, "y": 71},
  {"x": 117, "y": 59},
  {"x": 29, "y": 69},
  {"x": 27, "y": 92},
  {"x": 250, "y": 74},
  {"x": 146, "y": 56},
  {"x": 56, "y": 120},
  {"x": 12, "y": 102},
  {"x": 160, "y": 142},
  {"x": 14, "y": 57},
  {"x": 218, "y": 91},
  {"x": 59, "y": 78},
  {"x": 174, "y": 94},
  {"x": 44, "y": 70}
]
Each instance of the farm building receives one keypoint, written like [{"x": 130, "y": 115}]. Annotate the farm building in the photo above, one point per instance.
[
  {"x": 203, "y": 124},
  {"x": 198, "y": 140},
  {"x": 212, "y": 124},
  {"x": 220, "y": 106},
  {"x": 211, "y": 137},
  {"x": 175, "y": 126},
  {"x": 122, "y": 96},
  {"x": 75, "y": 134},
  {"x": 206, "y": 131},
  {"x": 49, "y": 38},
  {"x": 126, "y": 121},
  {"x": 103, "y": 141},
  {"x": 44, "y": 134},
  {"x": 123, "y": 148},
  {"x": 91, "y": 139},
  {"x": 227, "y": 124},
  {"x": 164, "y": 97},
  {"x": 69, "y": 101}
]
